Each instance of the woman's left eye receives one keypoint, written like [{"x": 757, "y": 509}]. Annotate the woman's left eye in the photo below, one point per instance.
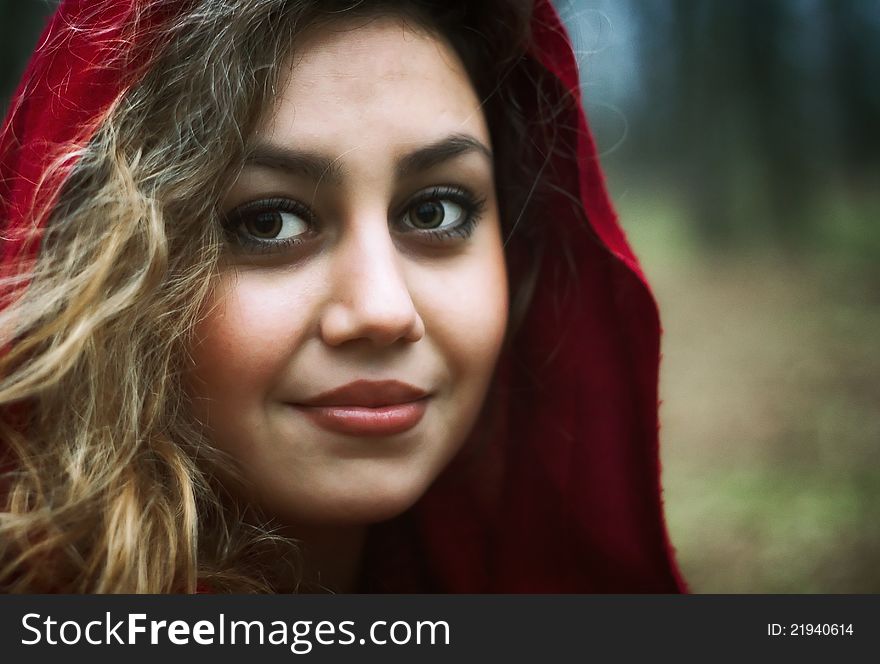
[
  {"x": 442, "y": 213},
  {"x": 435, "y": 214}
]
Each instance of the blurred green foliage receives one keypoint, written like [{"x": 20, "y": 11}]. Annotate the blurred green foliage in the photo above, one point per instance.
[
  {"x": 20, "y": 24},
  {"x": 757, "y": 113}
]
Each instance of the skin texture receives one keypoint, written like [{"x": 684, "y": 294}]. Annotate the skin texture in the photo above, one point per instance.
[{"x": 364, "y": 295}]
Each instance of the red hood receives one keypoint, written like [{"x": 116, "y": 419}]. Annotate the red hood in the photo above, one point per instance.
[{"x": 566, "y": 497}]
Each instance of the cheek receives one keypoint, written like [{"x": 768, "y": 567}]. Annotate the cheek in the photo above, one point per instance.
[
  {"x": 465, "y": 307},
  {"x": 235, "y": 361}
]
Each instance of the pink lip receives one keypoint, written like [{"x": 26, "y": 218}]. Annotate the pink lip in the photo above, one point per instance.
[{"x": 367, "y": 408}]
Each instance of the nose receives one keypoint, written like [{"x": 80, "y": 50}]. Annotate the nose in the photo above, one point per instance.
[{"x": 369, "y": 295}]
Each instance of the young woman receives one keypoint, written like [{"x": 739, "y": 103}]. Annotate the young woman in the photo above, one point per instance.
[{"x": 319, "y": 295}]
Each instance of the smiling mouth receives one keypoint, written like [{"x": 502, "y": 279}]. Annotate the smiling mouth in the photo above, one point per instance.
[{"x": 367, "y": 408}]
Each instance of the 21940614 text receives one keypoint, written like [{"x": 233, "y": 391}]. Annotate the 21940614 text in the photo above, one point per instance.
[{"x": 810, "y": 629}]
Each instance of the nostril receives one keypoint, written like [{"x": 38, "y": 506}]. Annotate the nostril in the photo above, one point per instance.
[{"x": 417, "y": 331}]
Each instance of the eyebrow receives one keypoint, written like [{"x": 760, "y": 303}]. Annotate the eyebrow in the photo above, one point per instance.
[
  {"x": 313, "y": 165},
  {"x": 436, "y": 153},
  {"x": 319, "y": 167}
]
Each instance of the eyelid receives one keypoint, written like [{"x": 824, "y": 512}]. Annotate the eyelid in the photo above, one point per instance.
[{"x": 270, "y": 203}]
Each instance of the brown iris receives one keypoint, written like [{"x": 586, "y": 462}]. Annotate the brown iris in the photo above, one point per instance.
[
  {"x": 266, "y": 225},
  {"x": 429, "y": 214}
]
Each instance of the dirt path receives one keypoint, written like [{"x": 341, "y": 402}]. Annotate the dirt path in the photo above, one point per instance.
[{"x": 770, "y": 420}]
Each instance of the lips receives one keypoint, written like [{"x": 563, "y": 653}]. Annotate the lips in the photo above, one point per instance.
[{"x": 367, "y": 408}]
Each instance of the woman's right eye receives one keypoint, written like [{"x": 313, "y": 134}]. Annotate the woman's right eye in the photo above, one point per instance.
[{"x": 269, "y": 224}]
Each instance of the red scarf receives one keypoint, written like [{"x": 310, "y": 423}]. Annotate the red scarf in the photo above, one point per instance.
[{"x": 566, "y": 498}]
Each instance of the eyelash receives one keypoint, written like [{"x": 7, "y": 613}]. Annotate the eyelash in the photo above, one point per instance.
[{"x": 473, "y": 208}]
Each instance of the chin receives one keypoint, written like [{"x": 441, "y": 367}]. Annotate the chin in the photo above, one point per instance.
[{"x": 368, "y": 504}]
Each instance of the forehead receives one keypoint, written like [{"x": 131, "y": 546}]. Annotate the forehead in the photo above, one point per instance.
[{"x": 383, "y": 78}]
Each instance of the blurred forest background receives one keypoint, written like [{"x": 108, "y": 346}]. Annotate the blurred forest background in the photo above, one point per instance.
[{"x": 742, "y": 145}]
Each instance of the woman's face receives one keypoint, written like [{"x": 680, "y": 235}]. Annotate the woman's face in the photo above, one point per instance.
[{"x": 347, "y": 348}]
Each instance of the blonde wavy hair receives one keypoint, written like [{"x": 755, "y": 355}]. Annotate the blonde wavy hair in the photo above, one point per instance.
[{"x": 110, "y": 484}]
